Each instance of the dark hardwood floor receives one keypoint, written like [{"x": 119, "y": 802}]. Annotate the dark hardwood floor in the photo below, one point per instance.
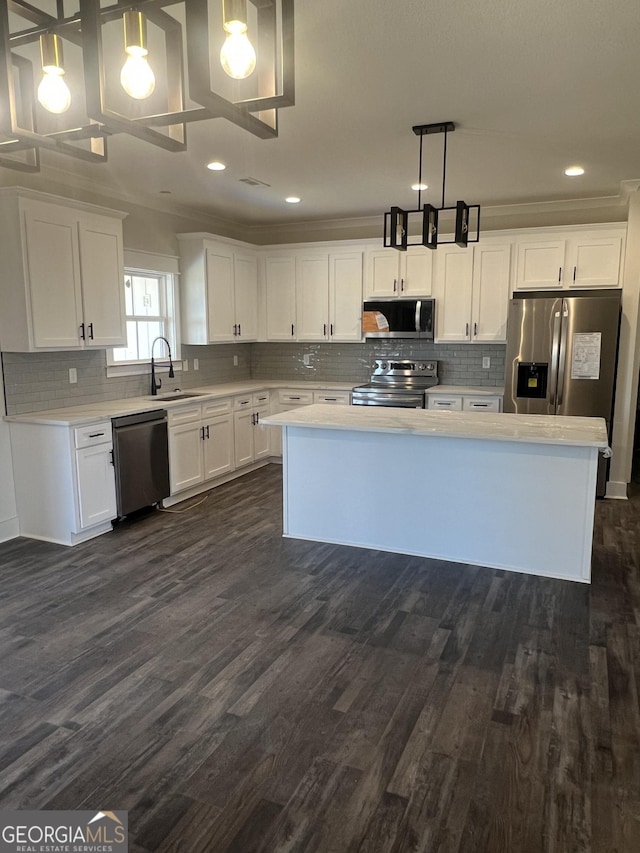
[{"x": 235, "y": 691}]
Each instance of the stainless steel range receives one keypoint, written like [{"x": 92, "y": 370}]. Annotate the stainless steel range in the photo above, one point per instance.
[{"x": 397, "y": 383}]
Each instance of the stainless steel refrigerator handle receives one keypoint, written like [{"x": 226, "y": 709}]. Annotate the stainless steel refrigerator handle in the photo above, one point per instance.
[
  {"x": 563, "y": 353},
  {"x": 555, "y": 348}
]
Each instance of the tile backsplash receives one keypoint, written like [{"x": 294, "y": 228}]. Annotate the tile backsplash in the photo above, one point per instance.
[{"x": 38, "y": 381}]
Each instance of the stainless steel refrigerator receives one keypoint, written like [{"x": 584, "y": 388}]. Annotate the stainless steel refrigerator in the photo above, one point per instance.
[{"x": 561, "y": 355}]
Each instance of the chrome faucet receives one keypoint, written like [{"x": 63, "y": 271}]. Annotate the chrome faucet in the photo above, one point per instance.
[{"x": 157, "y": 383}]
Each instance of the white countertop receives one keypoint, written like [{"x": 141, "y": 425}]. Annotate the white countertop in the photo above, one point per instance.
[
  {"x": 536, "y": 429},
  {"x": 92, "y": 412}
]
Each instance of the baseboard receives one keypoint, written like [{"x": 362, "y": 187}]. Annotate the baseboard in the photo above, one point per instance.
[
  {"x": 9, "y": 529},
  {"x": 616, "y": 490}
]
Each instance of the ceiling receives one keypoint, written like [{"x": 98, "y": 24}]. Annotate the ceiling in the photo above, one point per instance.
[{"x": 532, "y": 87}]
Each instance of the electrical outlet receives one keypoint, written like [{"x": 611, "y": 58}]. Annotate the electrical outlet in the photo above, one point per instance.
[
  {"x": 196, "y": 364},
  {"x": 73, "y": 375},
  {"x": 185, "y": 365},
  {"x": 235, "y": 361},
  {"x": 486, "y": 361}
]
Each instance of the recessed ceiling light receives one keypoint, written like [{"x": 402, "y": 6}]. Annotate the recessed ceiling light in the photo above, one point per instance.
[
  {"x": 292, "y": 199},
  {"x": 216, "y": 166},
  {"x": 420, "y": 187},
  {"x": 574, "y": 171}
]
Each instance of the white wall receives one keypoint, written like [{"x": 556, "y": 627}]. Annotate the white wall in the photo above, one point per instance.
[
  {"x": 8, "y": 514},
  {"x": 628, "y": 361}
]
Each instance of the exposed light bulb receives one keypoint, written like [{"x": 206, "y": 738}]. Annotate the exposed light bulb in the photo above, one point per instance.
[
  {"x": 53, "y": 92},
  {"x": 137, "y": 77},
  {"x": 237, "y": 56}
]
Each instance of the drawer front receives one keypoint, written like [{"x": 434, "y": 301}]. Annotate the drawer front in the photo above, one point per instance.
[
  {"x": 261, "y": 400},
  {"x": 334, "y": 398},
  {"x": 88, "y": 436},
  {"x": 184, "y": 414},
  {"x": 296, "y": 398},
  {"x": 454, "y": 404},
  {"x": 481, "y": 404},
  {"x": 244, "y": 402},
  {"x": 216, "y": 407}
]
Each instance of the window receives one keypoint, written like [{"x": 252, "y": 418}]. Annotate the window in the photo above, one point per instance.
[
  {"x": 147, "y": 298},
  {"x": 151, "y": 310}
]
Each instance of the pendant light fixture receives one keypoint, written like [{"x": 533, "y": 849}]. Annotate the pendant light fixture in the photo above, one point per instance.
[
  {"x": 237, "y": 56},
  {"x": 192, "y": 85},
  {"x": 136, "y": 77},
  {"x": 396, "y": 221},
  {"x": 53, "y": 92}
]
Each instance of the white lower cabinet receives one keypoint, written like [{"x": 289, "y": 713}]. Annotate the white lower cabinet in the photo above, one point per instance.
[
  {"x": 201, "y": 443},
  {"x": 465, "y": 402},
  {"x": 65, "y": 480},
  {"x": 251, "y": 438}
]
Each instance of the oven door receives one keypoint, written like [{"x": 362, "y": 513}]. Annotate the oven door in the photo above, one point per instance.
[{"x": 388, "y": 398}]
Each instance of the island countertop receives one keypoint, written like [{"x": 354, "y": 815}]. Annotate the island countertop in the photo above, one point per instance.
[{"x": 536, "y": 429}]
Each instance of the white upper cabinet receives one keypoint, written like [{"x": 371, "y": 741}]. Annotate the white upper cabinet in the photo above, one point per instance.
[
  {"x": 280, "y": 296},
  {"x": 62, "y": 286},
  {"x": 585, "y": 258},
  {"x": 218, "y": 291},
  {"x": 314, "y": 296},
  {"x": 472, "y": 292},
  {"x": 345, "y": 296},
  {"x": 394, "y": 273}
]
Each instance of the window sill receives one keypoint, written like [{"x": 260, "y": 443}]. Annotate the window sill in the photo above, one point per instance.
[{"x": 139, "y": 368}]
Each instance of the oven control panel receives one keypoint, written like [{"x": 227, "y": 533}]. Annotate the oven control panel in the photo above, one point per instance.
[{"x": 404, "y": 368}]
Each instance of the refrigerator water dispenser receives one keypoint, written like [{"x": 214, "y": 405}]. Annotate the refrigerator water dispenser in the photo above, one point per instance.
[{"x": 532, "y": 379}]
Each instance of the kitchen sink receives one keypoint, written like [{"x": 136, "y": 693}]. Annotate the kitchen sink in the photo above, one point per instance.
[{"x": 164, "y": 398}]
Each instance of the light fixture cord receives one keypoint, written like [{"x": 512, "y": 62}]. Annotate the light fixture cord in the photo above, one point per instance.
[{"x": 444, "y": 165}]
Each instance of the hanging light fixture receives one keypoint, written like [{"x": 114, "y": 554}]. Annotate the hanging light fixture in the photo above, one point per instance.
[
  {"x": 396, "y": 221},
  {"x": 187, "y": 72},
  {"x": 136, "y": 77},
  {"x": 237, "y": 56},
  {"x": 53, "y": 92}
]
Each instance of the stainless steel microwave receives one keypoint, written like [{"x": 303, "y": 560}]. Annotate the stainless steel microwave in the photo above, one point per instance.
[{"x": 399, "y": 318}]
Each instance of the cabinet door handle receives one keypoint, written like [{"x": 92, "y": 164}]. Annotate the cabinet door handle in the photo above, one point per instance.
[
  {"x": 202, "y": 433},
  {"x": 475, "y": 330},
  {"x": 257, "y": 418},
  {"x": 253, "y": 419},
  {"x": 239, "y": 330},
  {"x": 111, "y": 457},
  {"x": 292, "y": 330},
  {"x": 575, "y": 270},
  {"x": 91, "y": 330},
  {"x": 235, "y": 330},
  {"x": 402, "y": 285},
  {"x": 331, "y": 399},
  {"x": 559, "y": 273},
  {"x": 324, "y": 330},
  {"x": 82, "y": 331},
  {"x": 208, "y": 436},
  {"x": 395, "y": 285},
  {"x": 466, "y": 330},
  {"x": 95, "y": 434},
  {"x": 331, "y": 329}
]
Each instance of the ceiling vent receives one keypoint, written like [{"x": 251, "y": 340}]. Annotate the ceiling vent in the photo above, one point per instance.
[{"x": 253, "y": 182}]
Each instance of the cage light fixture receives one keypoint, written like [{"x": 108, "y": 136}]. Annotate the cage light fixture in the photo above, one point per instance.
[
  {"x": 176, "y": 81},
  {"x": 397, "y": 219}
]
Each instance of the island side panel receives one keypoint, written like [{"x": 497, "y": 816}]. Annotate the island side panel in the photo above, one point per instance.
[{"x": 510, "y": 505}]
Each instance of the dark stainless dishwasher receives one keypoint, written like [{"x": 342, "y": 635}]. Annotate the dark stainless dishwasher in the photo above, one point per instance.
[{"x": 141, "y": 460}]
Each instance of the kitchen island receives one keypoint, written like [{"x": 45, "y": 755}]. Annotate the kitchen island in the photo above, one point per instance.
[{"x": 513, "y": 492}]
